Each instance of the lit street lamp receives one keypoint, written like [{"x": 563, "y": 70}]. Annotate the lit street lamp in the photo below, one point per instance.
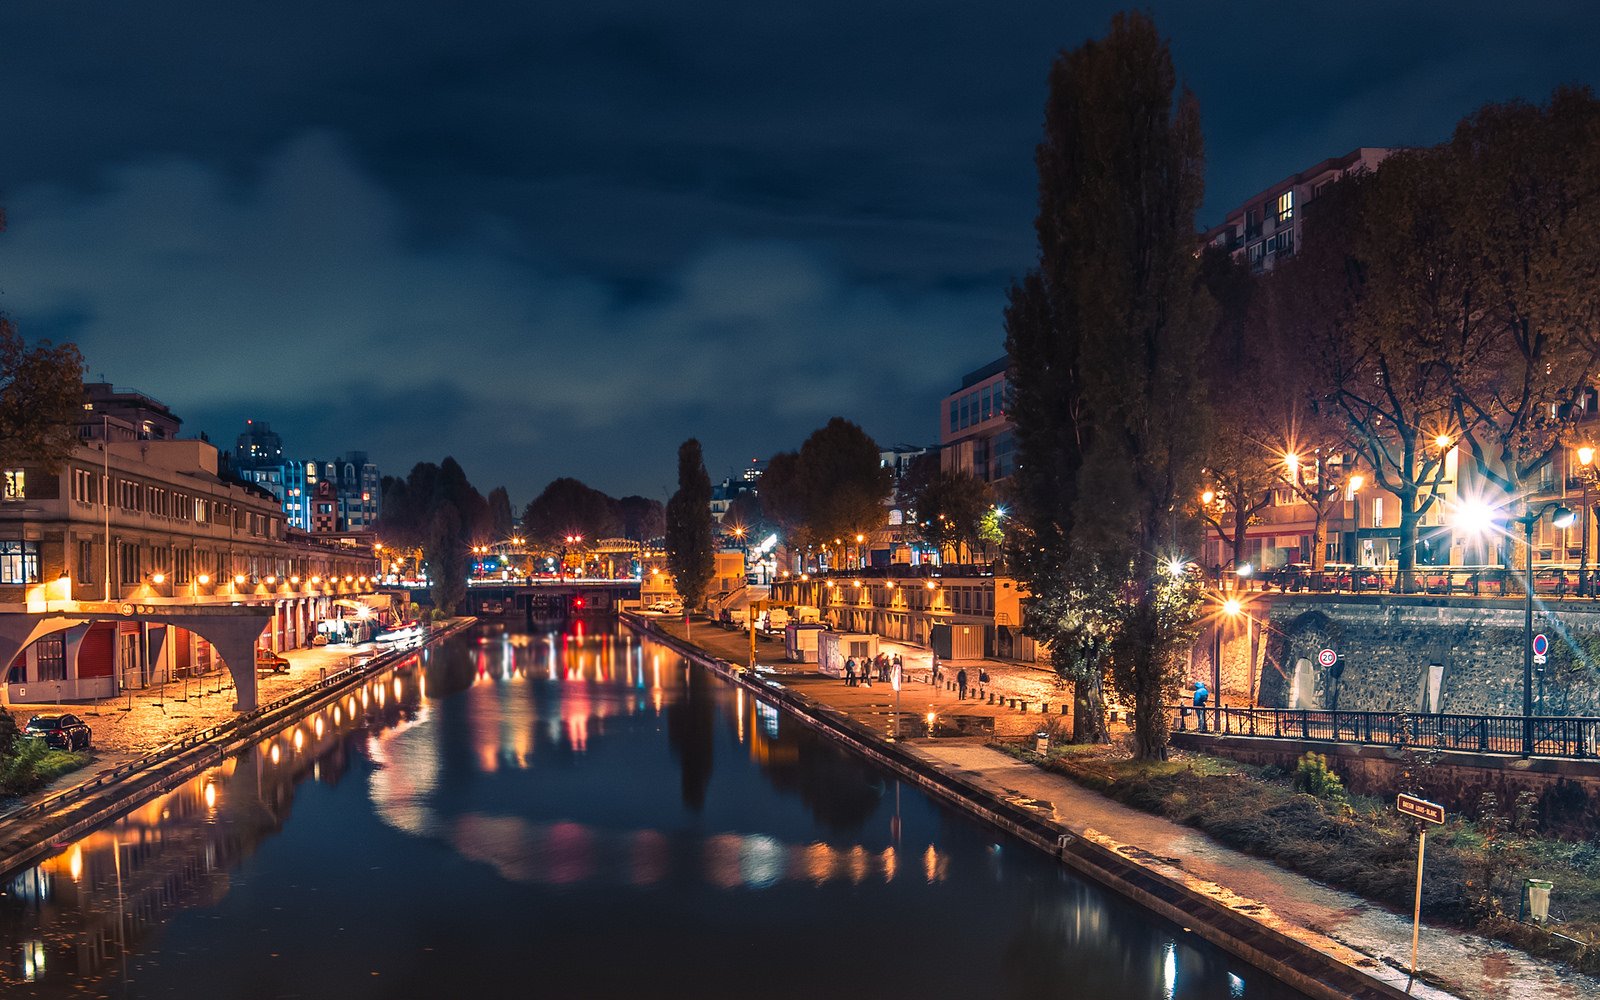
[{"x": 1587, "y": 475}]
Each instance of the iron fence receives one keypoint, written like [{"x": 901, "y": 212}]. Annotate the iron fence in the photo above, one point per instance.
[{"x": 1553, "y": 736}]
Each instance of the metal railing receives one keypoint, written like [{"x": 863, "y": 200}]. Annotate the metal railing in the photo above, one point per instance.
[
  {"x": 1553, "y": 736},
  {"x": 1453, "y": 581}
]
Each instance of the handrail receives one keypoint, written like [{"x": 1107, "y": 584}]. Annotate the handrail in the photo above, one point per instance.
[{"x": 1568, "y": 737}]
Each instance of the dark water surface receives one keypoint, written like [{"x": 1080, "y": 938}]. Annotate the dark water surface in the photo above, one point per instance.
[{"x": 573, "y": 814}]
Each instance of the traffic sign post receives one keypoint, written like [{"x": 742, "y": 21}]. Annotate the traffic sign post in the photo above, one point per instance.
[
  {"x": 1541, "y": 648},
  {"x": 1327, "y": 657},
  {"x": 1428, "y": 812}
]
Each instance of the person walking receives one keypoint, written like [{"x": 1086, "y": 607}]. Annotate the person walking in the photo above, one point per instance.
[
  {"x": 961, "y": 684},
  {"x": 1201, "y": 693},
  {"x": 850, "y": 672}
]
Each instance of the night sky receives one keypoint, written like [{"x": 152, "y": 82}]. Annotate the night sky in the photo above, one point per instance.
[{"x": 556, "y": 239}]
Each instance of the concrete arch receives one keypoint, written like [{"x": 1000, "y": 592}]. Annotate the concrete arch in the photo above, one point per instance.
[{"x": 232, "y": 631}]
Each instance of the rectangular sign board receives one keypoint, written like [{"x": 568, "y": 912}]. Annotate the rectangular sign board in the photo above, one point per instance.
[{"x": 1410, "y": 805}]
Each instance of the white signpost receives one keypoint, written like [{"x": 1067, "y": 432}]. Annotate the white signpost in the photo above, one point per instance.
[{"x": 1428, "y": 812}]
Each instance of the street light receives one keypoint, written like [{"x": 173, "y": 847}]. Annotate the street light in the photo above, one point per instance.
[
  {"x": 1587, "y": 475},
  {"x": 1562, "y": 517}
]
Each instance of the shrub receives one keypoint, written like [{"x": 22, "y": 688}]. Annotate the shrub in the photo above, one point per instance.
[{"x": 1314, "y": 777}]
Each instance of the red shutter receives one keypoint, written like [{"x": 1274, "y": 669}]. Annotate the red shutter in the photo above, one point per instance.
[{"x": 94, "y": 654}]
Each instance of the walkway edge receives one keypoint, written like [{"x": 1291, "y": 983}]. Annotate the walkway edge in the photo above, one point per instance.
[
  {"x": 1309, "y": 965},
  {"x": 26, "y": 839}
]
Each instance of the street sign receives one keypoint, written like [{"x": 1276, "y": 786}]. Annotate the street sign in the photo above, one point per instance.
[
  {"x": 1541, "y": 646},
  {"x": 1433, "y": 812},
  {"x": 1327, "y": 657}
]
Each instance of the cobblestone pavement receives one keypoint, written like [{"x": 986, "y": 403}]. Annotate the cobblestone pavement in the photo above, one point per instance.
[{"x": 127, "y": 728}]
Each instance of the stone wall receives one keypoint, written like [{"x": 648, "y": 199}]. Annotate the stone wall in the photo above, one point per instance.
[
  {"x": 1568, "y": 790},
  {"x": 1386, "y": 646}
]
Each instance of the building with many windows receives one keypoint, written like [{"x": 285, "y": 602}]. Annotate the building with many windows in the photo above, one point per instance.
[
  {"x": 138, "y": 522},
  {"x": 1268, "y": 226},
  {"x": 975, "y": 435}
]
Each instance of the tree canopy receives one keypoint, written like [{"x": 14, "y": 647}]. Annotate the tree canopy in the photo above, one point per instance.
[{"x": 690, "y": 556}]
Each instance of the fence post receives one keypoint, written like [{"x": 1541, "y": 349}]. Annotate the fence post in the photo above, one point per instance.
[{"x": 1305, "y": 724}]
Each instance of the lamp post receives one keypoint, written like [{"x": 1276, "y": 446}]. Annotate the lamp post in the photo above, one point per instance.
[
  {"x": 1561, "y": 517},
  {"x": 1586, "y": 463}
]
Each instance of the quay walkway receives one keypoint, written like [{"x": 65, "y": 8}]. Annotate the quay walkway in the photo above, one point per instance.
[{"x": 1356, "y": 933}]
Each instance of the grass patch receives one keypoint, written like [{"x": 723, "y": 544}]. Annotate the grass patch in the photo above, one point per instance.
[
  {"x": 30, "y": 765},
  {"x": 1475, "y": 865}
]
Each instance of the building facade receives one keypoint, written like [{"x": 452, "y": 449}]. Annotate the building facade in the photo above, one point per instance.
[
  {"x": 975, "y": 435},
  {"x": 1269, "y": 225},
  {"x": 137, "y": 518}
]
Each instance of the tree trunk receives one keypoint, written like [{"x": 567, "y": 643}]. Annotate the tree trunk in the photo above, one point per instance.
[
  {"x": 1089, "y": 709},
  {"x": 1319, "y": 540},
  {"x": 1149, "y": 674},
  {"x": 1406, "y": 558},
  {"x": 1240, "y": 528}
]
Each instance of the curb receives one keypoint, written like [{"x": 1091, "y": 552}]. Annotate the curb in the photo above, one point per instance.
[
  {"x": 1297, "y": 964},
  {"x": 40, "y": 829}
]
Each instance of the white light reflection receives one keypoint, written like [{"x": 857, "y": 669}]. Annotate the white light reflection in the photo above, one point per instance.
[{"x": 1169, "y": 971}]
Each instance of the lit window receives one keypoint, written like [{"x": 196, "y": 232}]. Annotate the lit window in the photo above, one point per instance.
[
  {"x": 1286, "y": 206},
  {"x": 15, "y": 486},
  {"x": 19, "y": 562}
]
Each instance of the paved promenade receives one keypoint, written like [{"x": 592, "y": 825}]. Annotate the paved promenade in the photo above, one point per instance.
[
  {"x": 127, "y": 728},
  {"x": 1465, "y": 965}
]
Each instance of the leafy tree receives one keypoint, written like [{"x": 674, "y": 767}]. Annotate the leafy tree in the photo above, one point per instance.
[
  {"x": 784, "y": 501},
  {"x": 437, "y": 511},
  {"x": 1518, "y": 302},
  {"x": 446, "y": 552},
  {"x": 643, "y": 519},
  {"x": 950, "y": 507},
  {"x": 41, "y": 399},
  {"x": 1241, "y": 469},
  {"x": 1343, "y": 298},
  {"x": 1130, "y": 189},
  {"x": 501, "y": 521},
  {"x": 690, "y": 556},
  {"x": 569, "y": 507},
  {"x": 844, "y": 480}
]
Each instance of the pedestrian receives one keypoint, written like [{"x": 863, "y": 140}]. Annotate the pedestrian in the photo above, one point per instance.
[
  {"x": 850, "y": 672},
  {"x": 983, "y": 675},
  {"x": 883, "y": 667},
  {"x": 1561, "y": 585},
  {"x": 1200, "y": 695},
  {"x": 866, "y": 671},
  {"x": 961, "y": 684}
]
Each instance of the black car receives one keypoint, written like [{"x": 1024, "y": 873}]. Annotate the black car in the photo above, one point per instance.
[{"x": 59, "y": 732}]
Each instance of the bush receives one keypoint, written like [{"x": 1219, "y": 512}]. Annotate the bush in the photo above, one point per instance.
[{"x": 1314, "y": 777}]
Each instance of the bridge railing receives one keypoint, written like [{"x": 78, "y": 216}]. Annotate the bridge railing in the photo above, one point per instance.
[{"x": 1574, "y": 737}]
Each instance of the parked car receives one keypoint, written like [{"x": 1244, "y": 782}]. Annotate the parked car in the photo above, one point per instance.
[
  {"x": 268, "y": 662},
  {"x": 59, "y": 732}
]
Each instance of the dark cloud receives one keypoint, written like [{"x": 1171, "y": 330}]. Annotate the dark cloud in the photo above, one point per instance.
[{"x": 556, "y": 239}]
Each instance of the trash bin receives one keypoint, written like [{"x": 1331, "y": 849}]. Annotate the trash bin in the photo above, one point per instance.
[
  {"x": 1041, "y": 742},
  {"x": 1538, "y": 893}
]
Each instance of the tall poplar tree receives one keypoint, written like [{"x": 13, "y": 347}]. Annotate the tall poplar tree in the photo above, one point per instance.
[
  {"x": 689, "y": 552},
  {"x": 1107, "y": 338}
]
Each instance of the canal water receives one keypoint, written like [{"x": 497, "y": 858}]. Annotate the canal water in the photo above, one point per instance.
[{"x": 571, "y": 814}]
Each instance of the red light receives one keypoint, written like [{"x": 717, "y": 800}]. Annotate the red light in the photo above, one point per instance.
[{"x": 577, "y": 602}]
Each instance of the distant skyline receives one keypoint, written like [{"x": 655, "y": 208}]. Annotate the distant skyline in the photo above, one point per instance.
[{"x": 558, "y": 240}]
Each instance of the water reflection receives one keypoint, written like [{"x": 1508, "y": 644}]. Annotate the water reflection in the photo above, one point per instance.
[{"x": 560, "y": 783}]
